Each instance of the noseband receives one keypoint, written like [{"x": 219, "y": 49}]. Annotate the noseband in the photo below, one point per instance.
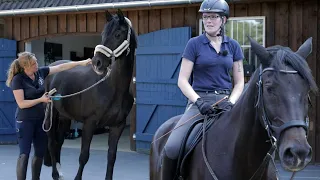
[
  {"x": 274, "y": 132},
  {"x": 119, "y": 50}
]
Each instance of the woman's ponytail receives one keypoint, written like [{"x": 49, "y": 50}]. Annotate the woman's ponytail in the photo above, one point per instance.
[{"x": 14, "y": 69}]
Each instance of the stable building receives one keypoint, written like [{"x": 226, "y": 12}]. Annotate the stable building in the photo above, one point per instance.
[{"x": 55, "y": 30}]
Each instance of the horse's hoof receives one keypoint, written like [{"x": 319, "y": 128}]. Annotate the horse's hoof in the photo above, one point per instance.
[{"x": 61, "y": 178}]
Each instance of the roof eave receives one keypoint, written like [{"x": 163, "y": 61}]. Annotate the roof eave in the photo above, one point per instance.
[{"x": 90, "y": 7}]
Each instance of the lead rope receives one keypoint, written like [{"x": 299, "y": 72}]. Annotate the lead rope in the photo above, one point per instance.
[{"x": 50, "y": 104}]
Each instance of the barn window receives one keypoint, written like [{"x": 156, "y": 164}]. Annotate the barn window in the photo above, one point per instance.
[{"x": 239, "y": 28}]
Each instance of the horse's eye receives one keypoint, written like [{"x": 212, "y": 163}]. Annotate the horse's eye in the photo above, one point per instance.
[
  {"x": 117, "y": 35},
  {"x": 270, "y": 90}
]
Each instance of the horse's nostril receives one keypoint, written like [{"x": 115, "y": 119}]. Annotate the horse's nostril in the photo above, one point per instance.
[
  {"x": 298, "y": 153},
  {"x": 99, "y": 64},
  {"x": 288, "y": 154}
]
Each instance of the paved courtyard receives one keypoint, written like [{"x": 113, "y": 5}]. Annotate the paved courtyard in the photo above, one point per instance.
[{"x": 129, "y": 165}]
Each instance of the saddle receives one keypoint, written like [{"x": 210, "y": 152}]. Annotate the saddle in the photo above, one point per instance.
[{"x": 192, "y": 138}]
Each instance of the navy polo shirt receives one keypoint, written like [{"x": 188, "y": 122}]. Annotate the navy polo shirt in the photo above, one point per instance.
[
  {"x": 211, "y": 69},
  {"x": 32, "y": 90}
]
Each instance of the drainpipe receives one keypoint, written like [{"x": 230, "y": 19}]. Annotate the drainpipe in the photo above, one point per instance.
[{"x": 103, "y": 6}]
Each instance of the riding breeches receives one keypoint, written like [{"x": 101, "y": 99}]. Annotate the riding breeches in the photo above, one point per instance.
[
  {"x": 176, "y": 137},
  {"x": 28, "y": 132}
]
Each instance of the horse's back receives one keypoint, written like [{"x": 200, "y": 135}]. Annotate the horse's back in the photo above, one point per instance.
[{"x": 159, "y": 140}]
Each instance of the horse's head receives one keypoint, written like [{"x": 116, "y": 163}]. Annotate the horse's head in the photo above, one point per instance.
[
  {"x": 115, "y": 42},
  {"x": 285, "y": 81}
]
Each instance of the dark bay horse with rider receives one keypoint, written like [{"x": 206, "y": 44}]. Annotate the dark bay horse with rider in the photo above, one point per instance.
[
  {"x": 271, "y": 116},
  {"x": 107, "y": 102}
]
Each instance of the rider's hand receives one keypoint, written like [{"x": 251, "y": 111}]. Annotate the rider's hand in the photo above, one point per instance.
[
  {"x": 225, "y": 105},
  {"x": 45, "y": 98},
  {"x": 85, "y": 62},
  {"x": 204, "y": 108}
]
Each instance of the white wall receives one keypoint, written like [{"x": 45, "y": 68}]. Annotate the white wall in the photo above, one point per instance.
[{"x": 69, "y": 43}]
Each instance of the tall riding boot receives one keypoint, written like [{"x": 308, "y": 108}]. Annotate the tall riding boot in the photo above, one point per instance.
[
  {"x": 36, "y": 167},
  {"x": 168, "y": 168},
  {"x": 22, "y": 166}
]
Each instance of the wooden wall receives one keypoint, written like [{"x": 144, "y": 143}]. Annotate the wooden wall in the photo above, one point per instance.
[{"x": 288, "y": 23}]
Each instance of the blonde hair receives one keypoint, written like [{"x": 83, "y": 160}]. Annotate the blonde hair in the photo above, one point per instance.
[{"x": 24, "y": 60}]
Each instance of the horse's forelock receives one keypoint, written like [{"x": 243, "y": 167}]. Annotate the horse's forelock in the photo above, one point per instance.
[{"x": 284, "y": 56}]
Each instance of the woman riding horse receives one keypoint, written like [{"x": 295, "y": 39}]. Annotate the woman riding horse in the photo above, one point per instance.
[{"x": 210, "y": 57}]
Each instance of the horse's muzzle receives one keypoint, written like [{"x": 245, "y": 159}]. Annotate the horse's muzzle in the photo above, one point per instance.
[{"x": 295, "y": 158}]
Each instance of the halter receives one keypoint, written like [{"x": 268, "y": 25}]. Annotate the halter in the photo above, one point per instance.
[
  {"x": 108, "y": 53},
  {"x": 119, "y": 50}
]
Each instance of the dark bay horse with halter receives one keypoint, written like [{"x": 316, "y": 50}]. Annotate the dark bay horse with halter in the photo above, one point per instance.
[
  {"x": 107, "y": 103},
  {"x": 270, "y": 115}
]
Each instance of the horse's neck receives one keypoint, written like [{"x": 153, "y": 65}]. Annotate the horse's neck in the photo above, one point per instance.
[
  {"x": 251, "y": 145},
  {"x": 121, "y": 73}
]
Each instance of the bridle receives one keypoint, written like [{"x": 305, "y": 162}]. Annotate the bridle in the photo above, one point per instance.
[
  {"x": 274, "y": 132},
  {"x": 119, "y": 50}
]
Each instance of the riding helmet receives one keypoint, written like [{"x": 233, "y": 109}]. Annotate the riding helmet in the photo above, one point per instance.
[{"x": 215, "y": 6}]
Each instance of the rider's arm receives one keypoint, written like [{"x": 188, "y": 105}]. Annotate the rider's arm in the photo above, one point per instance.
[
  {"x": 69, "y": 65},
  {"x": 238, "y": 79},
  {"x": 183, "y": 80}
]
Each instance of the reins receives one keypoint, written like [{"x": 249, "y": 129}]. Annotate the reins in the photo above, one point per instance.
[
  {"x": 188, "y": 120},
  {"x": 267, "y": 126}
]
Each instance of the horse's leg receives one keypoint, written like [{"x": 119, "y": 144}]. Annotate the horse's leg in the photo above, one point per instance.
[
  {"x": 52, "y": 142},
  {"x": 64, "y": 125},
  {"x": 114, "y": 136},
  {"x": 87, "y": 134}
]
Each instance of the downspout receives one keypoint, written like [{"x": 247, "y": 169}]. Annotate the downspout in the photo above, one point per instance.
[{"x": 88, "y": 7}]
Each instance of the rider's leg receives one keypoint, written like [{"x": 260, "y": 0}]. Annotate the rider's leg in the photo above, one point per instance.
[
  {"x": 172, "y": 147},
  {"x": 174, "y": 142}
]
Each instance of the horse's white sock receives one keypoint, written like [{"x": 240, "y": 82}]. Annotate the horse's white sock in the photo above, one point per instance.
[{"x": 59, "y": 169}]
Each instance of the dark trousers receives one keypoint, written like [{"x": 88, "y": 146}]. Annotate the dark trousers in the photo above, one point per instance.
[
  {"x": 176, "y": 137},
  {"x": 30, "y": 131}
]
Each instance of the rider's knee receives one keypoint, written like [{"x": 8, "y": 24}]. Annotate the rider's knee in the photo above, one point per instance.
[{"x": 171, "y": 150}]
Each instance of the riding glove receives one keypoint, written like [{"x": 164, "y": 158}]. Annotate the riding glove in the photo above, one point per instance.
[
  {"x": 225, "y": 105},
  {"x": 204, "y": 108}
]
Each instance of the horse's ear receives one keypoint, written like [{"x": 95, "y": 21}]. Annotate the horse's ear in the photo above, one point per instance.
[
  {"x": 108, "y": 16},
  {"x": 305, "y": 49},
  {"x": 260, "y": 51},
  {"x": 120, "y": 15}
]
